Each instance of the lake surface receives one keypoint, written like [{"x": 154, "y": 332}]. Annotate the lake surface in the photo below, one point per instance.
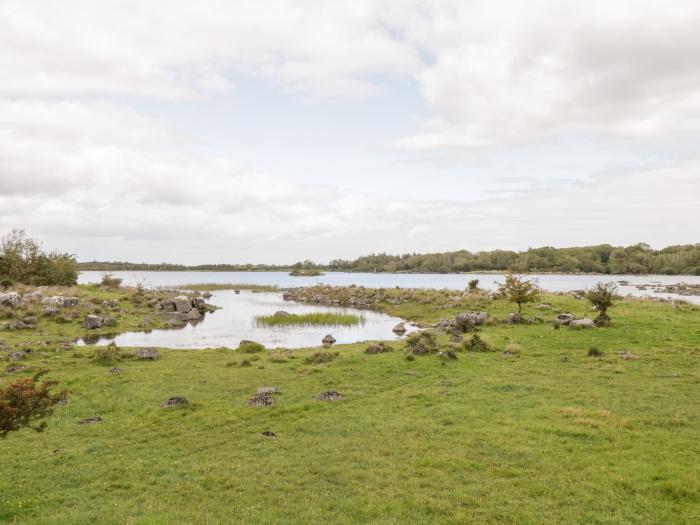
[
  {"x": 235, "y": 321},
  {"x": 549, "y": 282}
]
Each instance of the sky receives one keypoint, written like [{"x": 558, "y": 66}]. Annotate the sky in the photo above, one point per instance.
[{"x": 272, "y": 131}]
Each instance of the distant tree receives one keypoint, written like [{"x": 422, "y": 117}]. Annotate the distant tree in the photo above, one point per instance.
[
  {"x": 27, "y": 400},
  {"x": 520, "y": 291},
  {"x": 602, "y": 296}
]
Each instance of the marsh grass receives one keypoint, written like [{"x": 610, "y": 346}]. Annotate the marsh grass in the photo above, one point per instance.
[{"x": 310, "y": 319}]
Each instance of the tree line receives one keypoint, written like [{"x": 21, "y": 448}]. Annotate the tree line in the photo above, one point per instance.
[{"x": 637, "y": 259}]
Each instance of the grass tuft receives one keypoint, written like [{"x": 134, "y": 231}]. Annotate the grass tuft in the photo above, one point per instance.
[{"x": 310, "y": 319}]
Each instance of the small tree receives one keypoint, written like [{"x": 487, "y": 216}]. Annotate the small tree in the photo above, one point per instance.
[
  {"x": 519, "y": 290},
  {"x": 602, "y": 296},
  {"x": 473, "y": 285},
  {"x": 26, "y": 400}
]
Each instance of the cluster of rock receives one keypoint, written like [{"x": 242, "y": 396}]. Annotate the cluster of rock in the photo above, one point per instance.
[
  {"x": 182, "y": 308},
  {"x": 53, "y": 305},
  {"x": 568, "y": 319},
  {"x": 463, "y": 323},
  {"x": 93, "y": 322}
]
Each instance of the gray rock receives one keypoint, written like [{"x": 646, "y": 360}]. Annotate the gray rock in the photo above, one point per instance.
[
  {"x": 151, "y": 354},
  {"x": 582, "y": 323},
  {"x": 109, "y": 321},
  {"x": 565, "y": 318},
  {"x": 92, "y": 322},
  {"x": 51, "y": 311},
  {"x": 30, "y": 320},
  {"x": 399, "y": 328},
  {"x": 182, "y": 304},
  {"x": 267, "y": 390},
  {"x": 174, "y": 401},
  {"x": 168, "y": 306},
  {"x": 282, "y": 313},
  {"x": 17, "y": 324},
  {"x": 328, "y": 340},
  {"x": 193, "y": 315},
  {"x": 11, "y": 299},
  {"x": 472, "y": 318},
  {"x": 61, "y": 301}
]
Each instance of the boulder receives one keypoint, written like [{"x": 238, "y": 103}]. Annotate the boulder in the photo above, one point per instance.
[
  {"x": 582, "y": 323},
  {"x": 18, "y": 324},
  {"x": 267, "y": 390},
  {"x": 61, "y": 301},
  {"x": 193, "y": 315},
  {"x": 198, "y": 303},
  {"x": 399, "y": 328},
  {"x": 472, "y": 318},
  {"x": 168, "y": 306},
  {"x": 151, "y": 354},
  {"x": 207, "y": 295},
  {"x": 92, "y": 322},
  {"x": 515, "y": 319},
  {"x": 330, "y": 395},
  {"x": 565, "y": 318},
  {"x": 51, "y": 311},
  {"x": 328, "y": 340},
  {"x": 282, "y": 313},
  {"x": 11, "y": 299},
  {"x": 109, "y": 321},
  {"x": 30, "y": 320},
  {"x": 182, "y": 304}
]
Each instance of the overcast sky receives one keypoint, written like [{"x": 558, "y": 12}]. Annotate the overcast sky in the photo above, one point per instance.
[{"x": 274, "y": 131}]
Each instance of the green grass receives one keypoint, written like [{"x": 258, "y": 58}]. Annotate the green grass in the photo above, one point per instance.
[
  {"x": 212, "y": 287},
  {"x": 308, "y": 272},
  {"x": 549, "y": 437},
  {"x": 310, "y": 319}
]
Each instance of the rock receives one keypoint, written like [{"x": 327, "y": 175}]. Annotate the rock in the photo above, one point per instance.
[
  {"x": 17, "y": 324},
  {"x": 18, "y": 356},
  {"x": 582, "y": 323},
  {"x": 379, "y": 348},
  {"x": 199, "y": 303},
  {"x": 207, "y": 295},
  {"x": 92, "y": 322},
  {"x": 534, "y": 320},
  {"x": 515, "y": 319},
  {"x": 544, "y": 306},
  {"x": 454, "y": 338},
  {"x": 61, "y": 301},
  {"x": 168, "y": 306},
  {"x": 15, "y": 368},
  {"x": 11, "y": 299},
  {"x": 421, "y": 343},
  {"x": 176, "y": 322},
  {"x": 282, "y": 313},
  {"x": 151, "y": 354},
  {"x": 399, "y": 328},
  {"x": 269, "y": 434},
  {"x": 182, "y": 304},
  {"x": 91, "y": 420},
  {"x": 330, "y": 395},
  {"x": 174, "y": 401},
  {"x": 51, "y": 311},
  {"x": 107, "y": 303},
  {"x": 115, "y": 370},
  {"x": 267, "y": 390},
  {"x": 624, "y": 354},
  {"x": 447, "y": 354},
  {"x": 109, "y": 321},
  {"x": 287, "y": 296},
  {"x": 30, "y": 320},
  {"x": 261, "y": 400},
  {"x": 565, "y": 318},
  {"x": 328, "y": 340},
  {"x": 471, "y": 318},
  {"x": 193, "y": 315}
]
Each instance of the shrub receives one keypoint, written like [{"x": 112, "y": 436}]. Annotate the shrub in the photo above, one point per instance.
[
  {"x": 473, "y": 285},
  {"x": 108, "y": 281},
  {"x": 250, "y": 347},
  {"x": 23, "y": 261},
  {"x": 513, "y": 348},
  {"x": 602, "y": 296},
  {"x": 421, "y": 343},
  {"x": 519, "y": 290},
  {"x": 27, "y": 400},
  {"x": 321, "y": 357},
  {"x": 594, "y": 351},
  {"x": 474, "y": 343},
  {"x": 107, "y": 355}
]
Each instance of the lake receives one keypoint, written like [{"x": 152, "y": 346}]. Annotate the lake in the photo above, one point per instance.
[
  {"x": 549, "y": 282},
  {"x": 235, "y": 321}
]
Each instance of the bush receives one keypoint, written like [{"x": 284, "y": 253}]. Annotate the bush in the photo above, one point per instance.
[
  {"x": 602, "y": 296},
  {"x": 321, "y": 357},
  {"x": 23, "y": 261},
  {"x": 474, "y": 343},
  {"x": 108, "y": 281},
  {"x": 520, "y": 290},
  {"x": 250, "y": 347},
  {"x": 26, "y": 400},
  {"x": 107, "y": 355},
  {"x": 421, "y": 343},
  {"x": 594, "y": 351},
  {"x": 473, "y": 285}
]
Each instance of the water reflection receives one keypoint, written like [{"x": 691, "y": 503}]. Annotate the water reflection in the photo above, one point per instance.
[{"x": 235, "y": 321}]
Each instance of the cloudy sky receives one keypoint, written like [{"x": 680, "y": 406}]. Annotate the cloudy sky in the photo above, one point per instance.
[{"x": 274, "y": 131}]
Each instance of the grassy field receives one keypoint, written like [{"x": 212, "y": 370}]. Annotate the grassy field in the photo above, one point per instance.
[
  {"x": 552, "y": 436},
  {"x": 310, "y": 319}
]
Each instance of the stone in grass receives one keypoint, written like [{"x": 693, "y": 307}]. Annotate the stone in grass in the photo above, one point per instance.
[
  {"x": 174, "y": 402},
  {"x": 269, "y": 434},
  {"x": 92, "y": 322},
  {"x": 151, "y": 354},
  {"x": 624, "y": 354},
  {"x": 15, "y": 368},
  {"x": 328, "y": 340},
  {"x": 115, "y": 370},
  {"x": 582, "y": 323},
  {"x": 379, "y": 348},
  {"x": 261, "y": 400},
  {"x": 267, "y": 390},
  {"x": 330, "y": 395},
  {"x": 91, "y": 420},
  {"x": 399, "y": 329}
]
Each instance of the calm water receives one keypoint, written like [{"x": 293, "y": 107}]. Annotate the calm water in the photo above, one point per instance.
[
  {"x": 235, "y": 322},
  {"x": 553, "y": 283}
]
